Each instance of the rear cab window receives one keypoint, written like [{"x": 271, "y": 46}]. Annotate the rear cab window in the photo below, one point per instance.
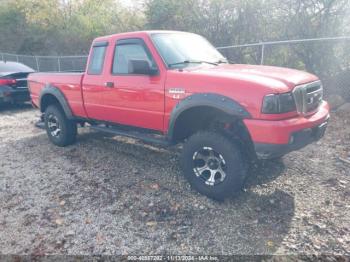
[{"x": 97, "y": 58}]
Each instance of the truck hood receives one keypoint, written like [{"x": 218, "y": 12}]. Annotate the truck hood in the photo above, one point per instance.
[{"x": 276, "y": 78}]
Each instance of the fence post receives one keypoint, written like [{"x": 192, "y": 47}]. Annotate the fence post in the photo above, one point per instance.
[
  {"x": 262, "y": 54},
  {"x": 17, "y": 58},
  {"x": 2, "y": 57},
  {"x": 37, "y": 63},
  {"x": 59, "y": 64}
]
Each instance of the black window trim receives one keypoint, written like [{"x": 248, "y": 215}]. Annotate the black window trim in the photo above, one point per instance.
[
  {"x": 98, "y": 44},
  {"x": 130, "y": 41},
  {"x": 101, "y": 43}
]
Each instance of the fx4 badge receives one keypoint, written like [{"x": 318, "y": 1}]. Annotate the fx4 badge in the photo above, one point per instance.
[{"x": 176, "y": 92}]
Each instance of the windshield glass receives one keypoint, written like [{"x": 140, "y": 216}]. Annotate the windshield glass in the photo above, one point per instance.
[{"x": 182, "y": 49}]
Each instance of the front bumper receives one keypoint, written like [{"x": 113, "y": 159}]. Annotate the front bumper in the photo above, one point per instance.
[
  {"x": 298, "y": 140},
  {"x": 276, "y": 138}
]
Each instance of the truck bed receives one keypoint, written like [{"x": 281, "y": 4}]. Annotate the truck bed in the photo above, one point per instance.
[{"x": 68, "y": 83}]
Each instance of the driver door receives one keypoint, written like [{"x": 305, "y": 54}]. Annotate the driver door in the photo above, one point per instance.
[{"x": 129, "y": 98}]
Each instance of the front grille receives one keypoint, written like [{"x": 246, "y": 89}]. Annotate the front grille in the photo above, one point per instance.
[{"x": 308, "y": 97}]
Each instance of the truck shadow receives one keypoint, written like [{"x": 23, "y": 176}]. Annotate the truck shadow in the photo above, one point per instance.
[
  {"x": 142, "y": 186},
  {"x": 14, "y": 108},
  {"x": 265, "y": 171}
]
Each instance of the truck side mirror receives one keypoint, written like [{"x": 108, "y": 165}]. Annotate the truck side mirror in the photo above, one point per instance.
[{"x": 141, "y": 67}]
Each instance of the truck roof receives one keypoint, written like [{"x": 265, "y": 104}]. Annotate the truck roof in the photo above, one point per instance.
[{"x": 137, "y": 34}]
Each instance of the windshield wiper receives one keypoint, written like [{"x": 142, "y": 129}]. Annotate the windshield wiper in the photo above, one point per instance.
[
  {"x": 192, "y": 62},
  {"x": 224, "y": 61}
]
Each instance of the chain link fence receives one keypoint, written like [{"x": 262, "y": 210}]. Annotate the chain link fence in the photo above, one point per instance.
[
  {"x": 49, "y": 63},
  {"x": 329, "y": 58}
]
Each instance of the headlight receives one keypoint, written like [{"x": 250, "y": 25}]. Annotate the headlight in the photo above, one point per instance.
[{"x": 278, "y": 103}]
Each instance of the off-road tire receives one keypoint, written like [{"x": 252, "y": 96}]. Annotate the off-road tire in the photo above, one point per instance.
[
  {"x": 226, "y": 149},
  {"x": 68, "y": 128}
]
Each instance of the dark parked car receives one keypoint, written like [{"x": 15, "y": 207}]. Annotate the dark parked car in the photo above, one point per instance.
[{"x": 13, "y": 82}]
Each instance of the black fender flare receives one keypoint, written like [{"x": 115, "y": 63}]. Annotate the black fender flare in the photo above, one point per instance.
[
  {"x": 54, "y": 91},
  {"x": 217, "y": 101}
]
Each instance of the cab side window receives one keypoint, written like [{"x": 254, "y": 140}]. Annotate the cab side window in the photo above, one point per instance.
[
  {"x": 97, "y": 59},
  {"x": 125, "y": 51}
]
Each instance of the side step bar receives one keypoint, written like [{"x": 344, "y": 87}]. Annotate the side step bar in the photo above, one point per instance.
[{"x": 132, "y": 134}]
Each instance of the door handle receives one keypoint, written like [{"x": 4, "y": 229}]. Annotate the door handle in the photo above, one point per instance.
[{"x": 109, "y": 84}]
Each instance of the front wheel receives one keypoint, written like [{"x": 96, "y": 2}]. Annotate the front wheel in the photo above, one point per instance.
[
  {"x": 213, "y": 164},
  {"x": 60, "y": 130}
]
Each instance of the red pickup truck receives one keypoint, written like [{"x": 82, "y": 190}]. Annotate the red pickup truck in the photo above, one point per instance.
[{"x": 170, "y": 87}]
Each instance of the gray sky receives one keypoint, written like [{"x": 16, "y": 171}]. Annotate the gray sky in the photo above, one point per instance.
[{"x": 131, "y": 3}]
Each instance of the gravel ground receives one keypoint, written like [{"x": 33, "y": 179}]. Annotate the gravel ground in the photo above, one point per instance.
[{"x": 111, "y": 195}]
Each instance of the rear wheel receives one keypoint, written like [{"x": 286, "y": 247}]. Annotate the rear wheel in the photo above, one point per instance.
[
  {"x": 60, "y": 130},
  {"x": 213, "y": 165}
]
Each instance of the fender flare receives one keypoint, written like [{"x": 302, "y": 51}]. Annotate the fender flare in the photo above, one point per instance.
[
  {"x": 54, "y": 91},
  {"x": 216, "y": 101}
]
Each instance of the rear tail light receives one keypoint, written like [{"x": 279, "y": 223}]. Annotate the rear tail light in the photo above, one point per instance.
[{"x": 7, "y": 82}]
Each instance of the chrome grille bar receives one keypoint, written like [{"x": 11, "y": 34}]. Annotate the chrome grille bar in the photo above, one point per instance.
[{"x": 308, "y": 97}]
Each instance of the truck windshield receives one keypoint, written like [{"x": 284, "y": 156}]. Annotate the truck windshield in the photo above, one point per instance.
[{"x": 180, "y": 50}]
